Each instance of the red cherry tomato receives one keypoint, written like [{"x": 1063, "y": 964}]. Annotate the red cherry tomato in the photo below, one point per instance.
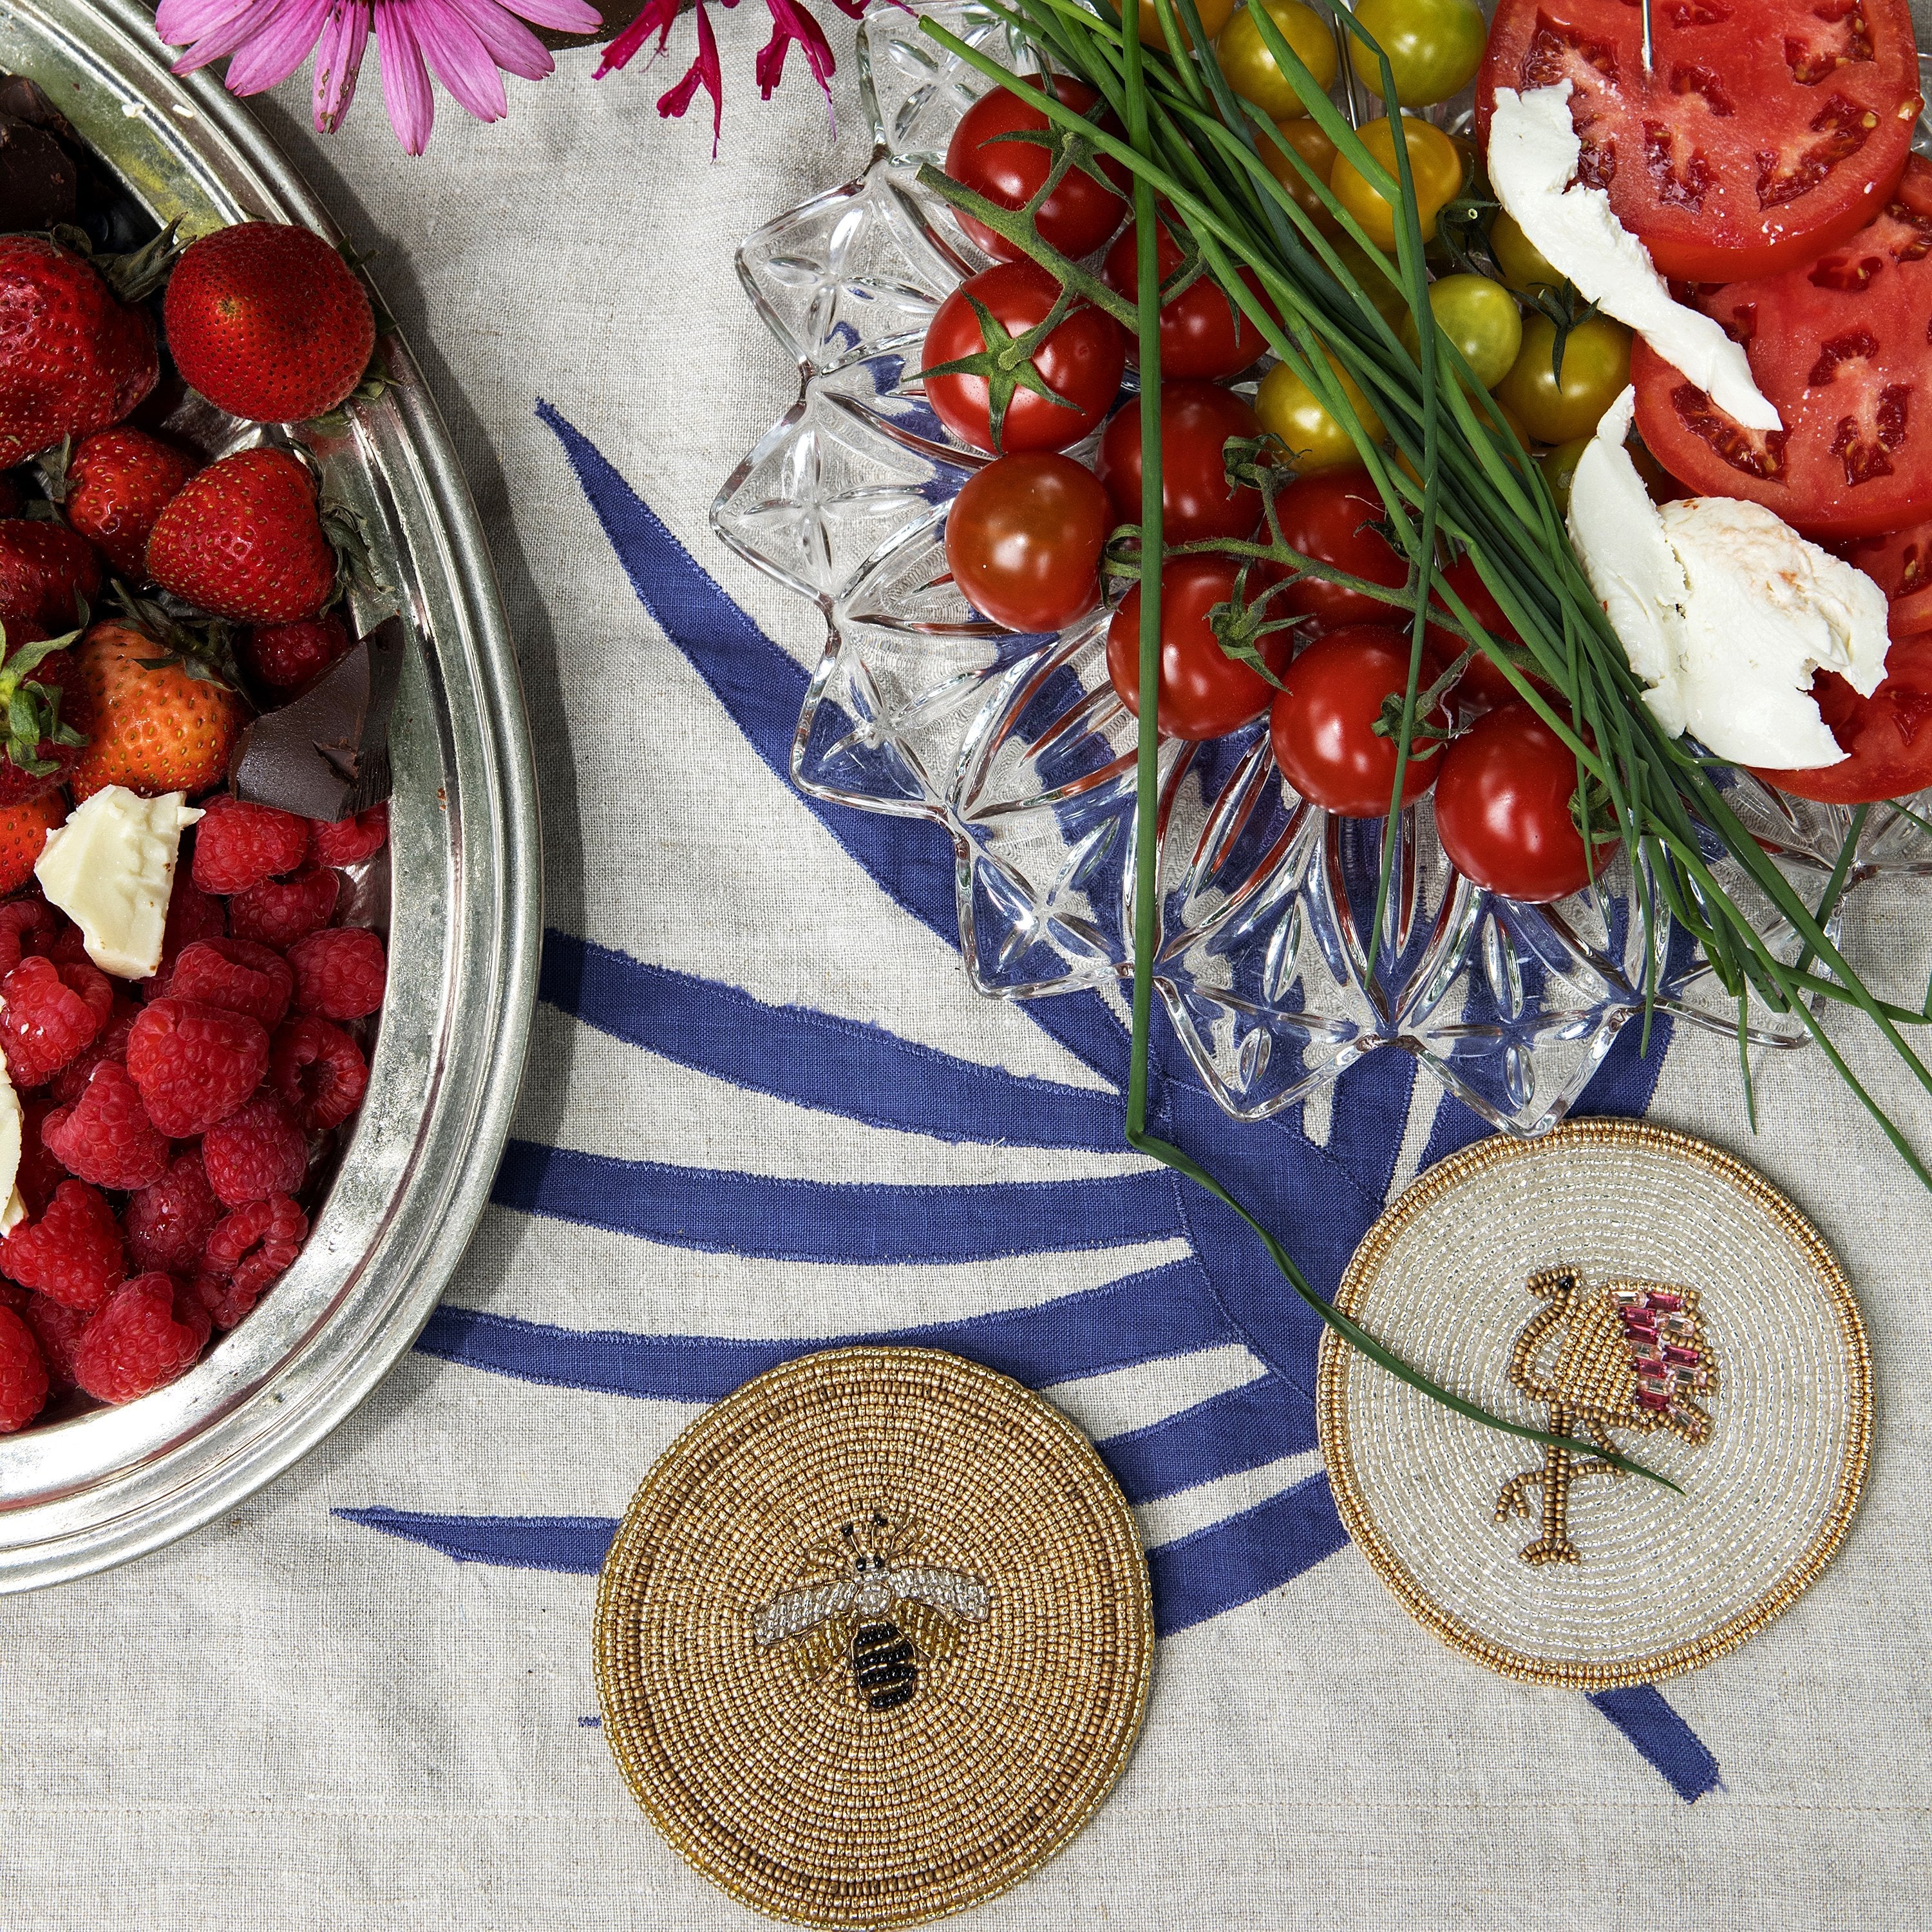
[
  {"x": 1023, "y": 540},
  {"x": 1762, "y": 134},
  {"x": 1333, "y": 517},
  {"x": 1203, "y": 335},
  {"x": 1081, "y": 362},
  {"x": 1502, "y": 808},
  {"x": 1076, "y": 218},
  {"x": 1203, "y": 692},
  {"x": 1839, "y": 345},
  {"x": 1197, "y": 421},
  {"x": 1888, "y": 737},
  {"x": 1323, "y": 723},
  {"x": 1483, "y": 684}
]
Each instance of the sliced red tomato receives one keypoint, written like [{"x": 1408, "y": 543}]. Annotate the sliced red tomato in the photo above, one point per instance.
[
  {"x": 1887, "y": 737},
  {"x": 1765, "y": 133},
  {"x": 1840, "y": 347},
  {"x": 1900, "y": 562}
]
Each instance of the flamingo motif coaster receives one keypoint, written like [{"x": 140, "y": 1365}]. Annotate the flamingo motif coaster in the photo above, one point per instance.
[{"x": 1646, "y": 1297}]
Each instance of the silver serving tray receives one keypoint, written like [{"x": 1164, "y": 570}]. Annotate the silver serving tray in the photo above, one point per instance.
[{"x": 79, "y": 1496}]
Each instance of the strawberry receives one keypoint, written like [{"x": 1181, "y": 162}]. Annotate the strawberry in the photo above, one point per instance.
[
  {"x": 73, "y": 356},
  {"x": 162, "y": 722},
  {"x": 243, "y": 539},
  {"x": 115, "y": 483},
  {"x": 44, "y": 567},
  {"x": 269, "y": 322},
  {"x": 23, "y": 832},
  {"x": 45, "y": 717}
]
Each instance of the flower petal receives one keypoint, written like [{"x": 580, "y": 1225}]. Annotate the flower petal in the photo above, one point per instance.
[
  {"x": 704, "y": 72},
  {"x": 455, "y": 51},
  {"x": 566, "y": 17},
  {"x": 281, "y": 46},
  {"x": 511, "y": 44},
  {"x": 658, "y": 17},
  {"x": 338, "y": 59},
  {"x": 405, "y": 91},
  {"x": 239, "y": 26},
  {"x": 179, "y": 21}
]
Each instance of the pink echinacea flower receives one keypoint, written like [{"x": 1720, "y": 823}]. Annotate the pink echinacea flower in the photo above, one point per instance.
[{"x": 468, "y": 44}]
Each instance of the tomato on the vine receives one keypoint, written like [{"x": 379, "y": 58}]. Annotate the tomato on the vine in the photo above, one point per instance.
[
  {"x": 1436, "y": 168},
  {"x": 1315, "y": 441},
  {"x": 990, "y": 406},
  {"x": 1503, "y": 809},
  {"x": 1307, "y": 140},
  {"x": 1197, "y": 421},
  {"x": 1322, "y": 724},
  {"x": 1839, "y": 346},
  {"x": 1762, "y": 133},
  {"x": 1483, "y": 684},
  {"x": 1023, "y": 540},
  {"x": 1205, "y": 693},
  {"x": 1336, "y": 518},
  {"x": 1887, "y": 737},
  {"x": 1596, "y": 367},
  {"x": 1480, "y": 317},
  {"x": 1204, "y": 333},
  {"x": 1076, "y": 218},
  {"x": 1213, "y": 15}
]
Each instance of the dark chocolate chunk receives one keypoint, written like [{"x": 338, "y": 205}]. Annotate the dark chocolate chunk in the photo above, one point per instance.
[{"x": 39, "y": 182}]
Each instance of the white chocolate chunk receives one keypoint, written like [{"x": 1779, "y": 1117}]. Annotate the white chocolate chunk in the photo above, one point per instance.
[{"x": 111, "y": 869}]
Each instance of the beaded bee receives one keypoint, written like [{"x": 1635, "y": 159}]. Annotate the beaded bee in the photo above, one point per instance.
[{"x": 868, "y": 1611}]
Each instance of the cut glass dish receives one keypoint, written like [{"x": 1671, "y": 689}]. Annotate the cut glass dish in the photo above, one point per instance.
[{"x": 1019, "y": 745}]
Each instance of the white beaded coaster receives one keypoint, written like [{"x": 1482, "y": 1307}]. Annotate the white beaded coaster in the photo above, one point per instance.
[{"x": 1627, "y": 1286}]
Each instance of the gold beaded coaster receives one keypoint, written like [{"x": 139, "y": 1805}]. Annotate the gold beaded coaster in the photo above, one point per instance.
[
  {"x": 873, "y": 1640},
  {"x": 1639, "y": 1291}
]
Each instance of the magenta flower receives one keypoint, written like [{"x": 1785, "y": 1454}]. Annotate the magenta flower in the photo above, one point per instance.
[{"x": 468, "y": 44}]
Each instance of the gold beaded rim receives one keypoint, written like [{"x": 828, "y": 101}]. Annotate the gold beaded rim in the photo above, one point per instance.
[
  {"x": 1336, "y": 1359},
  {"x": 793, "y": 1795}
]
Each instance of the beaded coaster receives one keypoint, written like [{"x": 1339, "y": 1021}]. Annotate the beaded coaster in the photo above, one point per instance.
[
  {"x": 1629, "y": 1288},
  {"x": 873, "y": 1640}
]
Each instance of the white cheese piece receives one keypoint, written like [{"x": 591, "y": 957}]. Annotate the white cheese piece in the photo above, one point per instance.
[
  {"x": 111, "y": 869},
  {"x": 11, "y": 1122},
  {"x": 14, "y": 1213},
  {"x": 1723, "y": 609},
  {"x": 1533, "y": 153}
]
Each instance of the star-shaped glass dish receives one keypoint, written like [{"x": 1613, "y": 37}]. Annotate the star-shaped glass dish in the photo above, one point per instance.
[{"x": 1019, "y": 745}]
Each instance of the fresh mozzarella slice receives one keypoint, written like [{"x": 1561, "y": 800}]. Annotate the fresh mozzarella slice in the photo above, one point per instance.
[
  {"x": 1723, "y": 609},
  {"x": 1533, "y": 156},
  {"x": 111, "y": 869},
  {"x": 11, "y": 1122}
]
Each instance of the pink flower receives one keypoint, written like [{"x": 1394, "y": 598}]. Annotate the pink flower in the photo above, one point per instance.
[{"x": 468, "y": 44}]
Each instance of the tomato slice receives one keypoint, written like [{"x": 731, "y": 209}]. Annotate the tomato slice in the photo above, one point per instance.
[
  {"x": 1765, "y": 134},
  {"x": 1900, "y": 562},
  {"x": 1840, "y": 347},
  {"x": 1888, "y": 737}
]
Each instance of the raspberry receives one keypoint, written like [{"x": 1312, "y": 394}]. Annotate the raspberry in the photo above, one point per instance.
[
  {"x": 26, "y": 925},
  {"x": 68, "y": 949},
  {"x": 105, "y": 1137},
  {"x": 194, "y": 1064},
  {"x": 280, "y": 911},
  {"x": 40, "y": 1173},
  {"x": 143, "y": 1337},
  {"x": 72, "y": 1254},
  {"x": 193, "y": 914},
  {"x": 110, "y": 1043},
  {"x": 236, "y": 975},
  {"x": 238, "y": 844},
  {"x": 48, "y": 1013},
  {"x": 339, "y": 973},
  {"x": 257, "y": 1151},
  {"x": 167, "y": 1223},
  {"x": 319, "y": 1071},
  {"x": 57, "y": 1327},
  {"x": 350, "y": 840},
  {"x": 286, "y": 656},
  {"x": 23, "y": 1374},
  {"x": 252, "y": 1248}
]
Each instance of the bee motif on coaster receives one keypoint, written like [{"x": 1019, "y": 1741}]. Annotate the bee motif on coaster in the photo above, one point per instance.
[
  {"x": 869, "y": 1611},
  {"x": 1633, "y": 1354}
]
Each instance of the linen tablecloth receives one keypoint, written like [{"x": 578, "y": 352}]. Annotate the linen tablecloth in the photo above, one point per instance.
[{"x": 366, "y": 1696}]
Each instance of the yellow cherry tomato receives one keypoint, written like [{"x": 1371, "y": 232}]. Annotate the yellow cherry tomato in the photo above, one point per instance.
[
  {"x": 1316, "y": 149},
  {"x": 1213, "y": 17},
  {"x": 1596, "y": 367},
  {"x": 1481, "y": 317},
  {"x": 1559, "y": 468},
  {"x": 1434, "y": 47},
  {"x": 1519, "y": 257},
  {"x": 1387, "y": 299},
  {"x": 1252, "y": 70},
  {"x": 1314, "y": 439},
  {"x": 1433, "y": 162}
]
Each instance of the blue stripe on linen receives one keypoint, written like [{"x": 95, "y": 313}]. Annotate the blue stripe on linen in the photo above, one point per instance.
[
  {"x": 1662, "y": 1738},
  {"x": 1240, "y": 1558},
  {"x": 1240, "y": 1428},
  {"x": 1146, "y": 1317},
  {"x": 835, "y": 1066},
  {"x": 575, "y": 1544},
  {"x": 858, "y": 1222}
]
